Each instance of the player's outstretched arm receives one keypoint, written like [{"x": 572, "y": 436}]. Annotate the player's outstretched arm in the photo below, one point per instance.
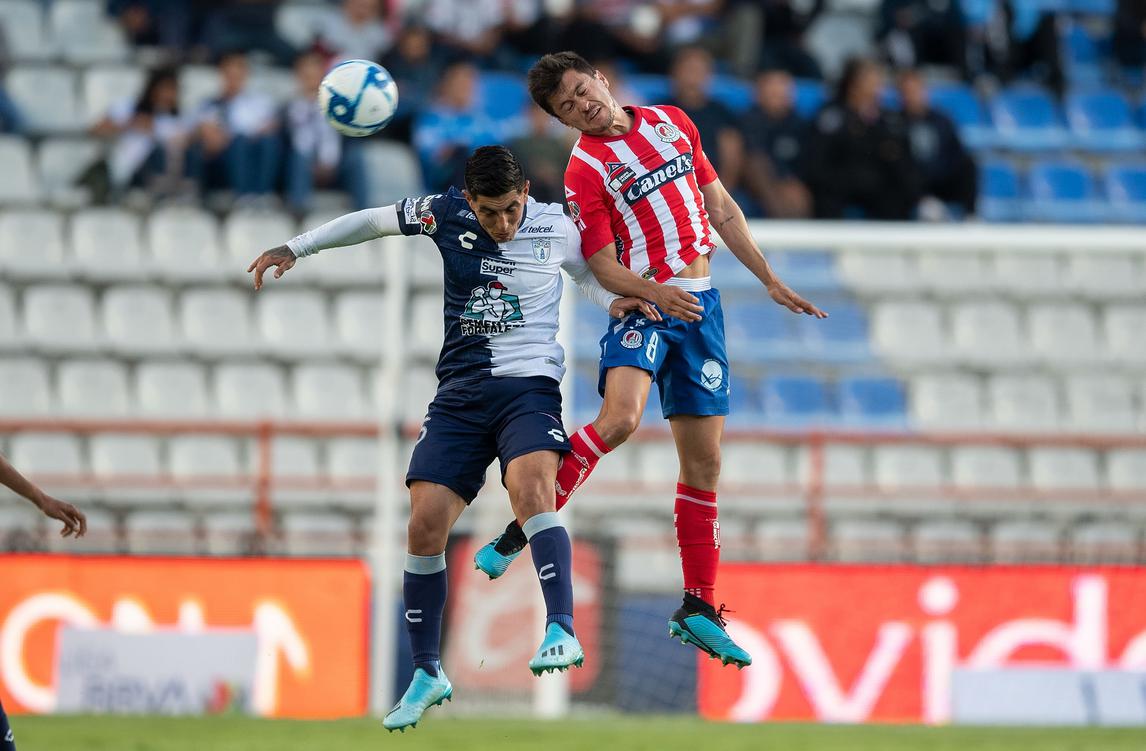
[
  {"x": 75, "y": 523},
  {"x": 728, "y": 220}
]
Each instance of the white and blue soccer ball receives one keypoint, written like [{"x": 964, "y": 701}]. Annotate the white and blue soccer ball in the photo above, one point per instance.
[{"x": 358, "y": 97}]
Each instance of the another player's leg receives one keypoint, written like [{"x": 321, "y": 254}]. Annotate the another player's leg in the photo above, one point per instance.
[
  {"x": 626, "y": 391},
  {"x": 433, "y": 510},
  {"x": 529, "y": 478},
  {"x": 7, "y": 739}
]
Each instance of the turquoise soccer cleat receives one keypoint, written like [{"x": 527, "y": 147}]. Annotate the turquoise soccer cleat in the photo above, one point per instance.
[
  {"x": 495, "y": 556},
  {"x": 424, "y": 691},
  {"x": 559, "y": 651},
  {"x": 698, "y": 623}
]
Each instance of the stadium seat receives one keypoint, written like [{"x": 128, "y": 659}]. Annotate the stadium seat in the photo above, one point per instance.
[
  {"x": 425, "y": 332},
  {"x": 138, "y": 321},
  {"x": 47, "y": 98},
  {"x": 987, "y": 334},
  {"x": 1100, "y": 403},
  {"x": 60, "y": 318},
  {"x": 908, "y": 467},
  {"x": 985, "y": 467},
  {"x": 107, "y": 246},
  {"x": 842, "y": 337},
  {"x": 162, "y": 532},
  {"x": 9, "y": 331},
  {"x": 1064, "y": 335},
  {"x": 295, "y": 465},
  {"x": 197, "y": 84},
  {"x": 24, "y": 33},
  {"x": 249, "y": 391},
  {"x": 93, "y": 388},
  {"x": 1027, "y": 119},
  {"x": 871, "y": 402},
  {"x": 999, "y": 191},
  {"x": 277, "y": 83},
  {"x": 359, "y": 318},
  {"x": 107, "y": 85},
  {"x": 328, "y": 391},
  {"x": 1026, "y": 541},
  {"x": 1061, "y": 191},
  {"x": 1105, "y": 542},
  {"x": 834, "y": 38},
  {"x": 40, "y": 455},
  {"x": 201, "y": 460},
  {"x": 909, "y": 333},
  {"x": 357, "y": 265},
  {"x": 84, "y": 33},
  {"x": 759, "y": 332},
  {"x": 1126, "y": 470},
  {"x": 171, "y": 390},
  {"x": 419, "y": 384},
  {"x": 947, "y": 541},
  {"x": 1124, "y": 327},
  {"x": 21, "y": 526},
  {"x": 120, "y": 460},
  {"x": 1106, "y": 276},
  {"x": 230, "y": 532},
  {"x": 17, "y": 180},
  {"x": 782, "y": 539},
  {"x": 317, "y": 533},
  {"x": 809, "y": 96},
  {"x": 216, "y": 321},
  {"x": 46, "y": 259},
  {"x": 1024, "y": 403},
  {"x": 1101, "y": 121},
  {"x": 393, "y": 172},
  {"x": 102, "y": 536},
  {"x": 877, "y": 272},
  {"x": 503, "y": 97},
  {"x": 795, "y": 400},
  {"x": 754, "y": 463},
  {"x": 27, "y": 388},
  {"x": 246, "y": 234},
  {"x": 1082, "y": 54},
  {"x": 1126, "y": 192},
  {"x": 1028, "y": 275},
  {"x": 960, "y": 103},
  {"x": 352, "y": 458},
  {"x": 294, "y": 324},
  {"x": 733, "y": 92},
  {"x": 60, "y": 161},
  {"x": 185, "y": 246},
  {"x": 950, "y": 274},
  {"x": 653, "y": 457},
  {"x": 863, "y": 540},
  {"x": 843, "y": 465},
  {"x": 300, "y": 23},
  {"x": 1056, "y": 468},
  {"x": 948, "y": 401},
  {"x": 649, "y": 88}
]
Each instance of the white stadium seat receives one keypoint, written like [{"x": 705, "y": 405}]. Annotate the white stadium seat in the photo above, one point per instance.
[
  {"x": 417, "y": 391},
  {"x": 1125, "y": 330},
  {"x": 353, "y": 265},
  {"x": 294, "y": 458},
  {"x": 423, "y": 262},
  {"x": 948, "y": 273},
  {"x": 186, "y": 246},
  {"x": 1100, "y": 403},
  {"x": 60, "y": 162},
  {"x": 1056, "y": 468},
  {"x": 425, "y": 333},
  {"x": 1126, "y": 470},
  {"x": 294, "y": 324},
  {"x": 988, "y": 334},
  {"x": 1028, "y": 275},
  {"x": 352, "y": 457},
  {"x": 908, "y": 467},
  {"x": 910, "y": 333},
  {"x": 754, "y": 464},
  {"x": 359, "y": 317},
  {"x": 1105, "y": 542},
  {"x": 27, "y": 390},
  {"x": 878, "y": 272},
  {"x": 93, "y": 388},
  {"x": 43, "y": 259},
  {"x": 277, "y": 83},
  {"x": 171, "y": 390},
  {"x": 229, "y": 532},
  {"x": 138, "y": 320},
  {"x": 843, "y": 465},
  {"x": 9, "y": 328},
  {"x": 216, "y": 321},
  {"x": 985, "y": 467},
  {"x": 947, "y": 541},
  {"x": 47, "y": 98},
  {"x": 107, "y": 85},
  {"x": 107, "y": 246},
  {"x": 317, "y": 533},
  {"x": 121, "y": 461},
  {"x": 162, "y": 532},
  {"x": 653, "y": 459},
  {"x": 329, "y": 391},
  {"x": 1024, "y": 402},
  {"x": 47, "y": 454},
  {"x": 1026, "y": 541},
  {"x": 246, "y": 234},
  {"x": 60, "y": 318},
  {"x": 782, "y": 539},
  {"x": 102, "y": 535},
  {"x": 197, "y": 84},
  {"x": 393, "y": 171},
  {"x": 22, "y": 22},
  {"x": 202, "y": 459},
  {"x": 300, "y": 23},
  {"x": 947, "y": 401},
  {"x": 249, "y": 391},
  {"x": 17, "y": 180},
  {"x": 867, "y": 540},
  {"x": 1104, "y": 276},
  {"x": 1063, "y": 334},
  {"x": 84, "y": 33}
]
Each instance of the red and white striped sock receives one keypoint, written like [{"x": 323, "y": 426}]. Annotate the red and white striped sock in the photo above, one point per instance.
[
  {"x": 578, "y": 463},
  {"x": 698, "y": 537}
]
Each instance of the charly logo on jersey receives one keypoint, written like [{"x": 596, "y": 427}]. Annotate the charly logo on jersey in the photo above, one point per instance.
[
  {"x": 542, "y": 249},
  {"x": 632, "y": 339},
  {"x": 711, "y": 375},
  {"x": 498, "y": 267},
  {"x": 667, "y": 132},
  {"x": 633, "y": 188},
  {"x": 491, "y": 310}
]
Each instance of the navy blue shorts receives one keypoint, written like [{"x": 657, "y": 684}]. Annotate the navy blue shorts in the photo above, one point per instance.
[
  {"x": 469, "y": 424},
  {"x": 688, "y": 361}
]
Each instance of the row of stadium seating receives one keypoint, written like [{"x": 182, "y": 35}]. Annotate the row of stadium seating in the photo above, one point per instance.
[
  {"x": 78, "y": 31},
  {"x": 1057, "y": 190}
]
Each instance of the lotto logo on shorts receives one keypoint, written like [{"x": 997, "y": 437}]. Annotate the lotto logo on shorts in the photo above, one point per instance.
[{"x": 632, "y": 339}]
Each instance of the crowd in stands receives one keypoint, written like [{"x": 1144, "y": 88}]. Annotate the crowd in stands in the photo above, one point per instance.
[{"x": 874, "y": 149}]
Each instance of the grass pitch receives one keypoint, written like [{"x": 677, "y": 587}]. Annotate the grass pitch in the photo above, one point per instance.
[{"x": 588, "y": 734}]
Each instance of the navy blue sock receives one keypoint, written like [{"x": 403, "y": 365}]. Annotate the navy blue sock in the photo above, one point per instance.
[
  {"x": 7, "y": 740},
  {"x": 424, "y": 591},
  {"x": 553, "y": 558}
]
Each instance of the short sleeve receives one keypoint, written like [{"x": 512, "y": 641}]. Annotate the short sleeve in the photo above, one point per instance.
[
  {"x": 422, "y": 215},
  {"x": 705, "y": 172},
  {"x": 584, "y": 192}
]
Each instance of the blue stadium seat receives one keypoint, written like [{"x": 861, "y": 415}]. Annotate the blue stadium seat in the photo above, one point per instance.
[
  {"x": 743, "y": 402},
  {"x": 1083, "y": 54},
  {"x": 503, "y": 97},
  {"x": 589, "y": 326},
  {"x": 842, "y": 337},
  {"x": 1103, "y": 8},
  {"x": 734, "y": 93},
  {"x": 1101, "y": 121},
  {"x": 1063, "y": 191},
  {"x": 999, "y": 192},
  {"x": 760, "y": 332},
  {"x": 806, "y": 270},
  {"x": 960, "y": 103},
  {"x": 1126, "y": 191},
  {"x": 1027, "y": 119},
  {"x": 809, "y": 95},
  {"x": 872, "y": 402},
  {"x": 651, "y": 89},
  {"x": 795, "y": 400}
]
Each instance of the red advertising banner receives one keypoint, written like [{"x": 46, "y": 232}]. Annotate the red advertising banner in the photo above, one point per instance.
[
  {"x": 309, "y": 617},
  {"x": 879, "y": 643}
]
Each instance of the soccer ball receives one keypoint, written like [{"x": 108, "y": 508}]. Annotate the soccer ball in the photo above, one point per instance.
[{"x": 358, "y": 97}]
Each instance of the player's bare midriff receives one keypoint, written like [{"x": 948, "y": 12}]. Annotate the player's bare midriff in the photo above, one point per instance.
[{"x": 699, "y": 268}]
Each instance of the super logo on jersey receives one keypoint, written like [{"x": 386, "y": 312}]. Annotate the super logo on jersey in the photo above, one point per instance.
[{"x": 491, "y": 310}]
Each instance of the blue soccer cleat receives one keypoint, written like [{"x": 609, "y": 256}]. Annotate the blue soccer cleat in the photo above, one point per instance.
[
  {"x": 698, "y": 623},
  {"x": 559, "y": 651},
  {"x": 424, "y": 691},
  {"x": 496, "y": 555}
]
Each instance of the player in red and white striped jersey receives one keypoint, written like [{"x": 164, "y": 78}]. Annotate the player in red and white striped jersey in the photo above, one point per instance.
[{"x": 642, "y": 192}]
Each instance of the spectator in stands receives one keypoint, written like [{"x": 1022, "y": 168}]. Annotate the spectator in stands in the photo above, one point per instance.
[
  {"x": 769, "y": 34},
  {"x": 633, "y": 31},
  {"x": 163, "y": 23},
  {"x": 469, "y": 28},
  {"x": 357, "y": 33},
  {"x": 236, "y": 143},
  {"x": 567, "y": 25},
  {"x": 859, "y": 159},
  {"x": 691, "y": 78},
  {"x": 318, "y": 156},
  {"x": 1129, "y": 41},
  {"x": 416, "y": 67},
  {"x": 1011, "y": 39},
  {"x": 688, "y": 22},
  {"x": 450, "y": 127},
  {"x": 931, "y": 32},
  {"x": 150, "y": 140},
  {"x": 244, "y": 26},
  {"x": 774, "y": 135},
  {"x": 11, "y": 121},
  {"x": 947, "y": 171},
  {"x": 543, "y": 152}
]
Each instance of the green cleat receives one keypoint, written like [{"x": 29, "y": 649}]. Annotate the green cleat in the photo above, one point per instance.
[
  {"x": 559, "y": 651},
  {"x": 698, "y": 623},
  {"x": 425, "y": 691}
]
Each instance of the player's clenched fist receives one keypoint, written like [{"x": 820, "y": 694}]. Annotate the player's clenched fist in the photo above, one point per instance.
[{"x": 282, "y": 258}]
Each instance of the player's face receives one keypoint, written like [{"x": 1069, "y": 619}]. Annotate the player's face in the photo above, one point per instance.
[
  {"x": 584, "y": 102},
  {"x": 499, "y": 215}
]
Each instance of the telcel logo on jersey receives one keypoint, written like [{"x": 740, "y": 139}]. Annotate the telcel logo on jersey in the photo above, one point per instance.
[
  {"x": 537, "y": 229},
  {"x": 652, "y": 181}
]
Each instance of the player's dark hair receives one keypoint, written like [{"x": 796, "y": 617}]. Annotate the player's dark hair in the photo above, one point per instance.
[
  {"x": 544, "y": 78},
  {"x": 493, "y": 171}
]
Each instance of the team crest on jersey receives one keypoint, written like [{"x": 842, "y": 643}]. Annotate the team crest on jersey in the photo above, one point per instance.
[
  {"x": 429, "y": 222},
  {"x": 542, "y": 249},
  {"x": 491, "y": 310},
  {"x": 711, "y": 375},
  {"x": 667, "y": 132},
  {"x": 632, "y": 339}
]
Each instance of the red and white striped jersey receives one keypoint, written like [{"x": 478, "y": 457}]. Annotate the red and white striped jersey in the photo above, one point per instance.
[{"x": 641, "y": 191}]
